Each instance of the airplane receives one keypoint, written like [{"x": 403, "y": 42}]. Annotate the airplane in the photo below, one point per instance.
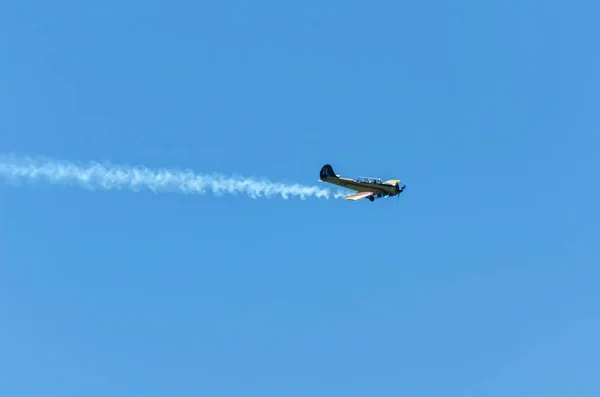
[{"x": 371, "y": 188}]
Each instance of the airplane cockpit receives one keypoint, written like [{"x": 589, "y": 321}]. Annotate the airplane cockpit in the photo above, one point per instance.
[{"x": 364, "y": 179}]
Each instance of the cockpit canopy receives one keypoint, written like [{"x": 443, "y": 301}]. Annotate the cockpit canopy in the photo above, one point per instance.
[{"x": 365, "y": 179}]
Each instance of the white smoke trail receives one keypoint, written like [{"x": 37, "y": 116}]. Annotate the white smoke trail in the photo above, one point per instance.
[{"x": 94, "y": 176}]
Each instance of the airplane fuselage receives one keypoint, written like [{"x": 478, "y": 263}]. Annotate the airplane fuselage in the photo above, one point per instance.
[{"x": 386, "y": 188}]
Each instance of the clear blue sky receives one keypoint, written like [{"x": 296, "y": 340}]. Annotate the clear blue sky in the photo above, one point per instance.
[{"x": 481, "y": 280}]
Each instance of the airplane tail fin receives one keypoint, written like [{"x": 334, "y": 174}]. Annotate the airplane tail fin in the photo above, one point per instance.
[{"x": 327, "y": 172}]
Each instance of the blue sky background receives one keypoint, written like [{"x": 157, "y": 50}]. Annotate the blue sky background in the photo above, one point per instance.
[{"x": 481, "y": 280}]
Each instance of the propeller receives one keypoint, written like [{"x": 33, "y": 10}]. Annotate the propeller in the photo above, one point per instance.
[{"x": 400, "y": 190}]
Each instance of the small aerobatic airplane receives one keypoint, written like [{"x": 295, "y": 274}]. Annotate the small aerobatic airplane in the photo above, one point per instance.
[{"x": 371, "y": 188}]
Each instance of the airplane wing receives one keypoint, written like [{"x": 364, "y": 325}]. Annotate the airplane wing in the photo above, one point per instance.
[{"x": 358, "y": 196}]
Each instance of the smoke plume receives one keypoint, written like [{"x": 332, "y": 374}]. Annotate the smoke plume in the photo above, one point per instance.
[{"x": 104, "y": 176}]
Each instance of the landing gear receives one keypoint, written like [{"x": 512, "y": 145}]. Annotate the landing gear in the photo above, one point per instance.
[{"x": 377, "y": 196}]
